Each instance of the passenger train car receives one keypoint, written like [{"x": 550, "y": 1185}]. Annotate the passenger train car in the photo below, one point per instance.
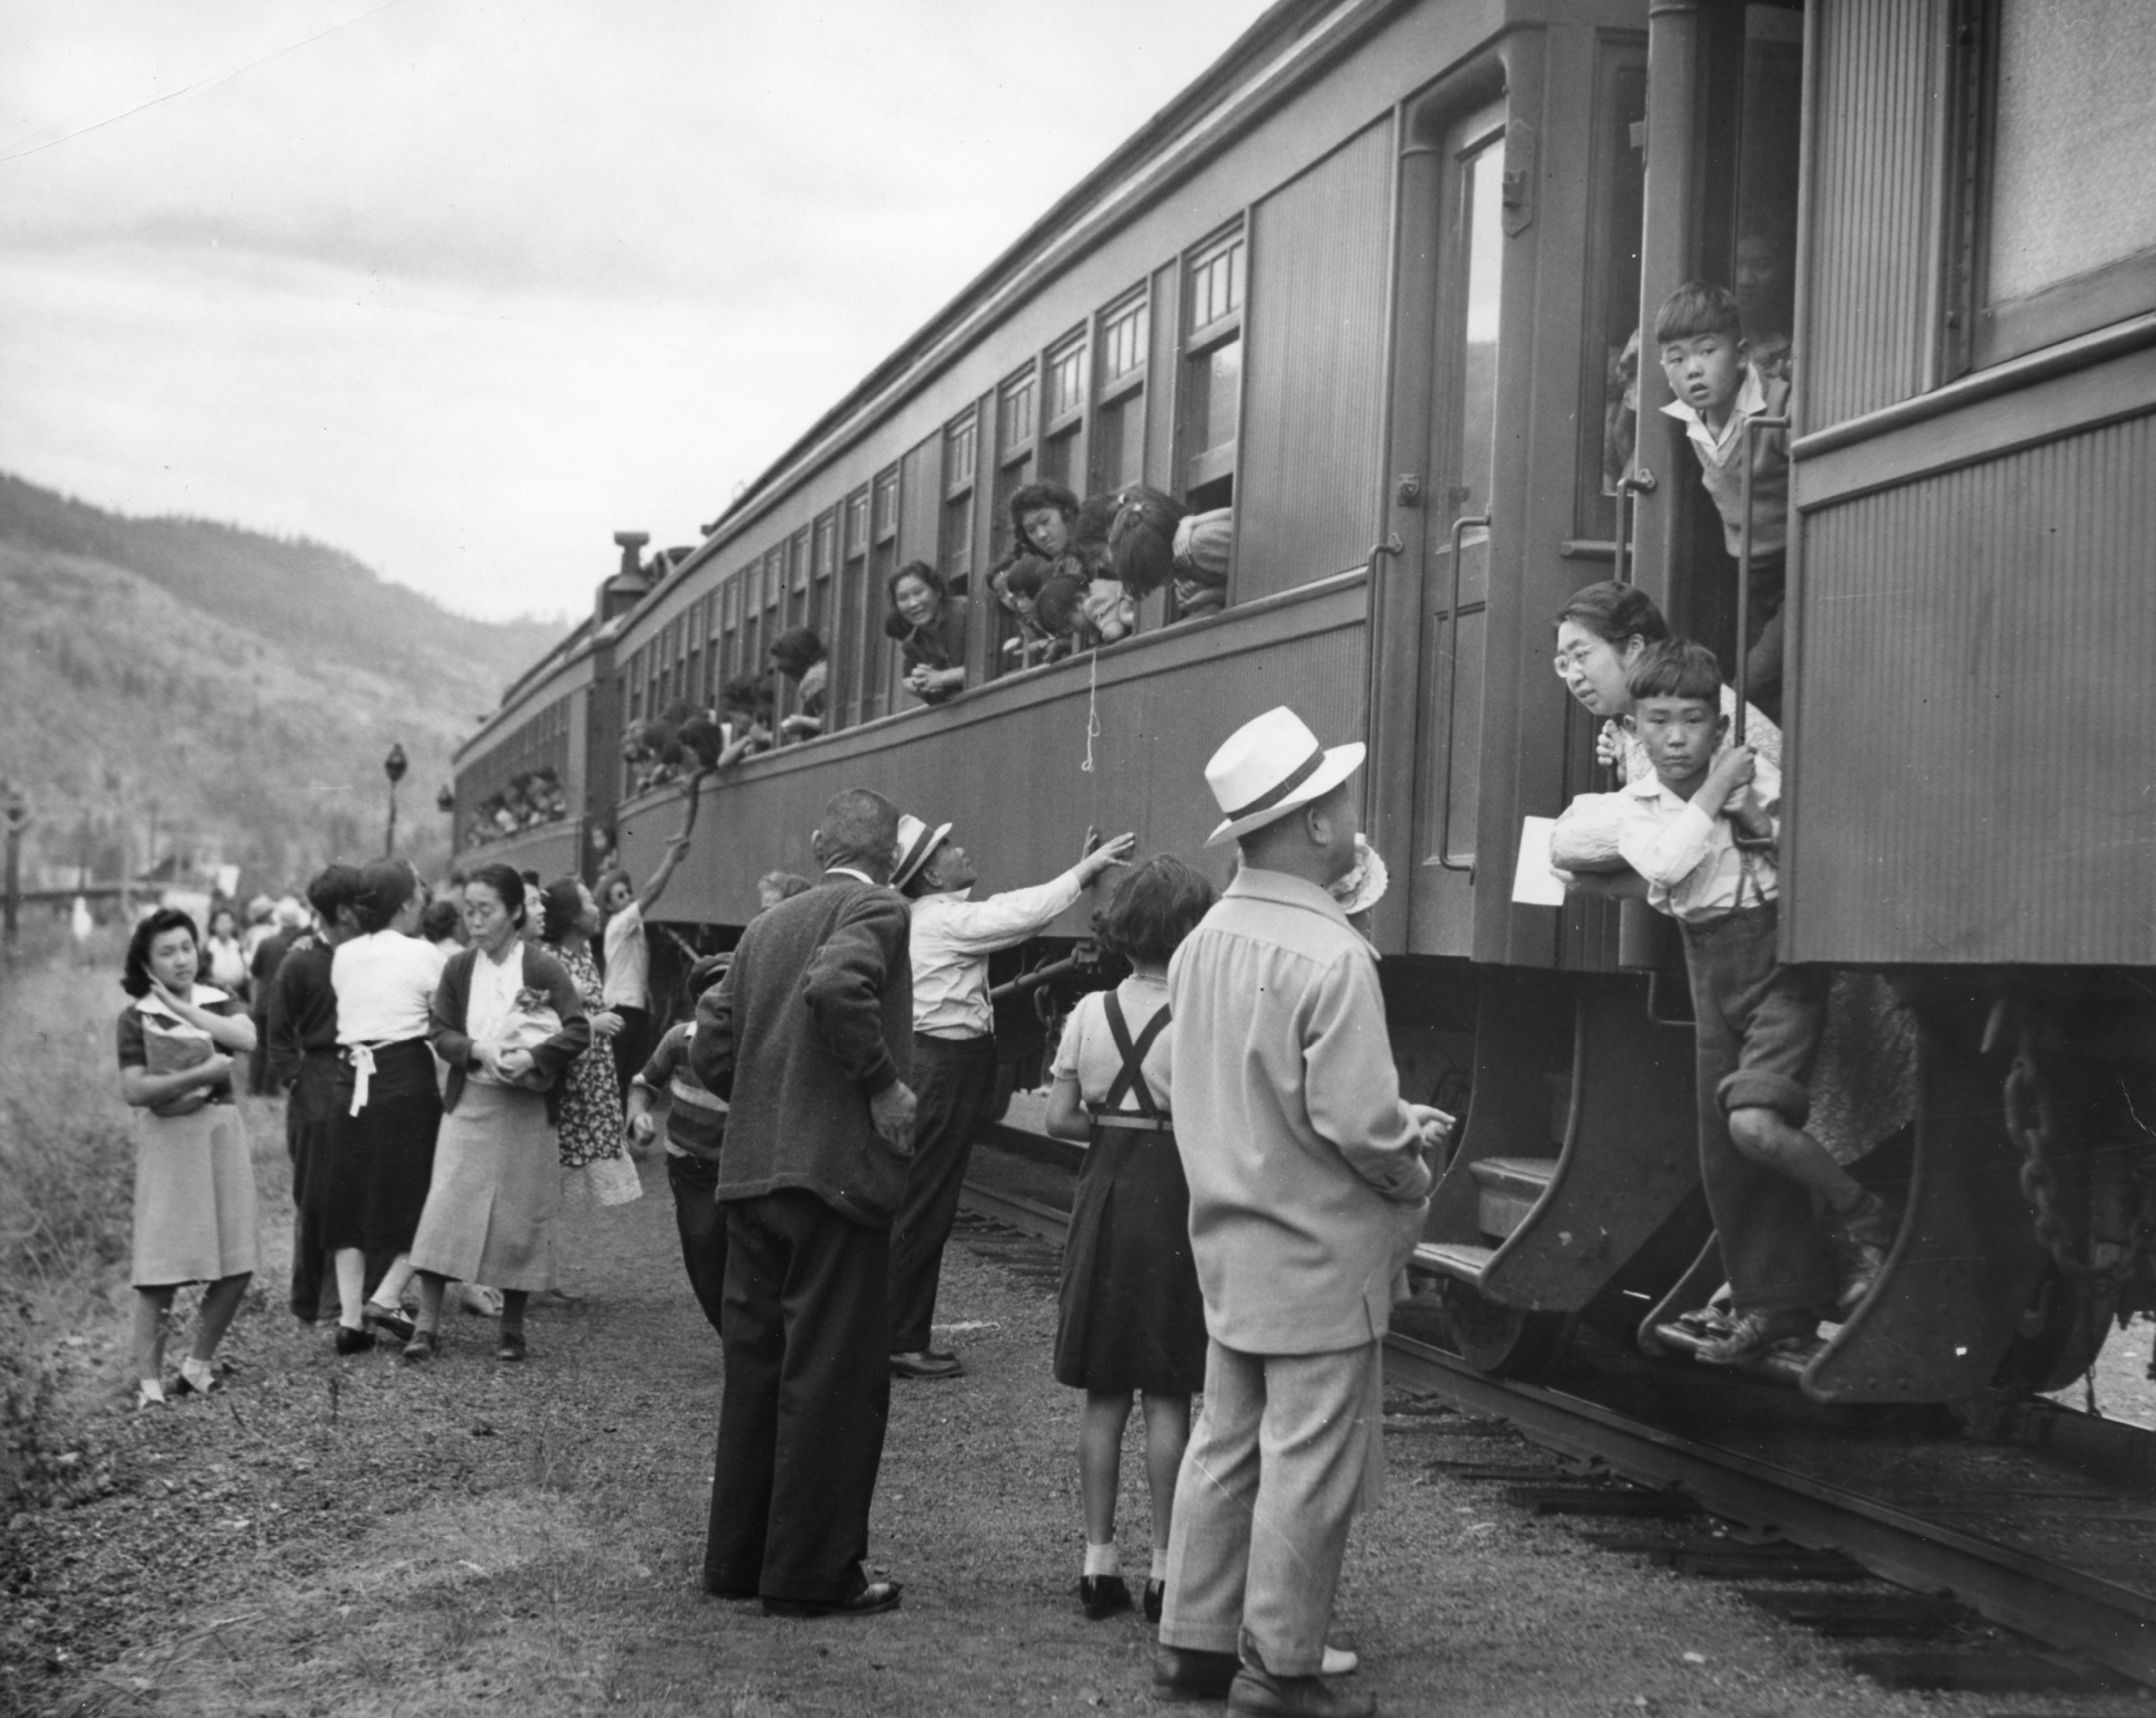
[{"x": 1369, "y": 282}]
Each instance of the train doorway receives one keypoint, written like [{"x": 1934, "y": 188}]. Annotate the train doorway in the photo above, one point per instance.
[{"x": 1456, "y": 571}]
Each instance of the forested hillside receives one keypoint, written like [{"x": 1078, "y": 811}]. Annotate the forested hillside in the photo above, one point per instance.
[{"x": 221, "y": 692}]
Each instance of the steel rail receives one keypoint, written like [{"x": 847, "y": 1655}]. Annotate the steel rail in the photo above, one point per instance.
[{"x": 2067, "y": 1608}]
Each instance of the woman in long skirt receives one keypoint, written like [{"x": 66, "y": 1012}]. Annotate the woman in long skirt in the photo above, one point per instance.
[
  {"x": 380, "y": 1155},
  {"x": 506, "y": 1021},
  {"x": 1130, "y": 1317},
  {"x": 194, "y": 1184}
]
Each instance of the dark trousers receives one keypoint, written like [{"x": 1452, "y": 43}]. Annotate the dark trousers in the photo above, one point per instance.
[
  {"x": 631, "y": 1046},
  {"x": 954, "y": 1082},
  {"x": 702, "y": 1223},
  {"x": 1759, "y": 1027},
  {"x": 306, "y": 1121},
  {"x": 806, "y": 1394}
]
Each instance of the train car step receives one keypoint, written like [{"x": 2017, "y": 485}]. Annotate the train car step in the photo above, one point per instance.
[{"x": 1507, "y": 1188}]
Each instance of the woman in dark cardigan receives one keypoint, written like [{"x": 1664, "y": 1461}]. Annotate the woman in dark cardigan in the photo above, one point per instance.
[
  {"x": 930, "y": 625},
  {"x": 496, "y": 1184}
]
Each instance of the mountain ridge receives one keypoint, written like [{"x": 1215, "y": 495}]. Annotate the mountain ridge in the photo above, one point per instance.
[{"x": 169, "y": 683}]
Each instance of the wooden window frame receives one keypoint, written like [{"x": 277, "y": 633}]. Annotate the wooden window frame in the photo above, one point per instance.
[
  {"x": 1197, "y": 467},
  {"x": 1980, "y": 331}
]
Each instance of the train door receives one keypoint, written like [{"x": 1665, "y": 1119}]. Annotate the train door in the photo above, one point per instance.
[
  {"x": 1455, "y": 574},
  {"x": 1724, "y": 133}
]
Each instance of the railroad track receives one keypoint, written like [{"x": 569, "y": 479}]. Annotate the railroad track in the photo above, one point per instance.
[{"x": 2043, "y": 1535}]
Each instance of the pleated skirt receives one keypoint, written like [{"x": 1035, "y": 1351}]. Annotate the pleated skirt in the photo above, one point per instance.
[
  {"x": 1129, "y": 1315},
  {"x": 496, "y": 1192},
  {"x": 194, "y": 1199}
]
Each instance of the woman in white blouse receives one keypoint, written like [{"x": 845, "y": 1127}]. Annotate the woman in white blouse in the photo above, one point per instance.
[
  {"x": 506, "y": 1021},
  {"x": 381, "y": 1138}
]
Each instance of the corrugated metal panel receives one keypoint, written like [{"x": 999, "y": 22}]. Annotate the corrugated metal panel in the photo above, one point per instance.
[
  {"x": 1014, "y": 785},
  {"x": 1307, "y": 492},
  {"x": 1986, "y": 795},
  {"x": 1878, "y": 81},
  {"x": 920, "y": 493}
]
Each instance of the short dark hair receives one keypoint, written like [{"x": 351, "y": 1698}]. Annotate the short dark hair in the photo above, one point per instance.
[
  {"x": 1614, "y": 612},
  {"x": 335, "y": 886},
  {"x": 507, "y": 883},
  {"x": 1026, "y": 576},
  {"x": 384, "y": 886},
  {"x": 860, "y": 827},
  {"x": 1676, "y": 668},
  {"x": 750, "y": 694},
  {"x": 560, "y": 902},
  {"x": 707, "y": 971},
  {"x": 1154, "y": 907},
  {"x": 134, "y": 976},
  {"x": 1695, "y": 308},
  {"x": 1034, "y": 497},
  {"x": 441, "y": 919},
  {"x": 796, "y": 651},
  {"x": 1057, "y": 606},
  {"x": 921, "y": 570}
]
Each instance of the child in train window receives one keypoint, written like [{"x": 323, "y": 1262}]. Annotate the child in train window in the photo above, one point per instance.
[
  {"x": 1699, "y": 334},
  {"x": 1702, "y": 830}
]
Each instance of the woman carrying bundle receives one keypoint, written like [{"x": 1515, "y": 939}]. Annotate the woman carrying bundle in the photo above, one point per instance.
[
  {"x": 194, "y": 1185},
  {"x": 378, "y": 1150},
  {"x": 594, "y": 1167},
  {"x": 1130, "y": 1317},
  {"x": 506, "y": 1020}
]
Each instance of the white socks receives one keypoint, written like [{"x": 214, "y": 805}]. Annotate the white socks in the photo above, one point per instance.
[
  {"x": 1101, "y": 1559},
  {"x": 1158, "y": 1572}
]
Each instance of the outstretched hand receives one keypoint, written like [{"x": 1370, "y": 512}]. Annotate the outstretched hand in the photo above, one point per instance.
[{"x": 1102, "y": 855}]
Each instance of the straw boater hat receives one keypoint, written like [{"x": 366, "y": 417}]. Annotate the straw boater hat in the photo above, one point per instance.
[
  {"x": 1270, "y": 765},
  {"x": 917, "y": 841}
]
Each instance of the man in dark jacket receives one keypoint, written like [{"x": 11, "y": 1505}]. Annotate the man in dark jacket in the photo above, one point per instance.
[{"x": 809, "y": 1038}]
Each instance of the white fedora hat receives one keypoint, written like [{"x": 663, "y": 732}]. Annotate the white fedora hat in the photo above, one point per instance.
[
  {"x": 917, "y": 841},
  {"x": 1270, "y": 765}
]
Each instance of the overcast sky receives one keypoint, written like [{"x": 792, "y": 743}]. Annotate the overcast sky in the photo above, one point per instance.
[{"x": 466, "y": 287}]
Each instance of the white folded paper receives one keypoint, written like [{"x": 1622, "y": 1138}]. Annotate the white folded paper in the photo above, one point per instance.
[{"x": 1535, "y": 882}]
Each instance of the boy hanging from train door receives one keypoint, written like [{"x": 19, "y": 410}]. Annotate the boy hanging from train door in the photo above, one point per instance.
[
  {"x": 1720, "y": 386},
  {"x": 1702, "y": 831}
]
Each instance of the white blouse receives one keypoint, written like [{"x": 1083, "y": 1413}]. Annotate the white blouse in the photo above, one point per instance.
[
  {"x": 494, "y": 987},
  {"x": 385, "y": 986}
]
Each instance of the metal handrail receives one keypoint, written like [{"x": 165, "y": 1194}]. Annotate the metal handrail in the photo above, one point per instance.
[
  {"x": 1461, "y": 526},
  {"x": 1632, "y": 482},
  {"x": 1752, "y": 426}
]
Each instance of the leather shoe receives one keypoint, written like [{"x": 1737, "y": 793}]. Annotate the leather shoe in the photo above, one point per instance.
[
  {"x": 1181, "y": 1673},
  {"x": 1102, "y": 1596},
  {"x": 719, "y": 1589},
  {"x": 388, "y": 1318},
  {"x": 1156, "y": 1592},
  {"x": 423, "y": 1345},
  {"x": 353, "y": 1341},
  {"x": 1259, "y": 1694},
  {"x": 926, "y": 1363},
  {"x": 1754, "y": 1333},
  {"x": 876, "y": 1595}
]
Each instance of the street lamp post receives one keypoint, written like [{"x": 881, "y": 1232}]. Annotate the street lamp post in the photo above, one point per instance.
[{"x": 393, "y": 767}]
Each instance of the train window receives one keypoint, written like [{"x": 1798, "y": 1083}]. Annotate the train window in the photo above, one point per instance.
[
  {"x": 878, "y": 653},
  {"x": 1014, "y": 417},
  {"x": 1118, "y": 448},
  {"x": 1609, "y": 360},
  {"x": 2067, "y": 231},
  {"x": 1065, "y": 417},
  {"x": 885, "y": 508},
  {"x": 857, "y": 524},
  {"x": 1211, "y": 400},
  {"x": 960, "y": 456},
  {"x": 822, "y": 563}
]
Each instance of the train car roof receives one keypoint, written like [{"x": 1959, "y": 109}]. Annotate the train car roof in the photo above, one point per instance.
[{"x": 1306, "y": 28}]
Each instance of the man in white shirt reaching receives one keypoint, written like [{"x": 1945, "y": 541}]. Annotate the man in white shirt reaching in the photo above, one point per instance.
[{"x": 954, "y": 1052}]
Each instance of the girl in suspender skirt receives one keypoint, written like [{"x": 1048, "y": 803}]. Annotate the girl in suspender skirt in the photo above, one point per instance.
[{"x": 1129, "y": 1317}]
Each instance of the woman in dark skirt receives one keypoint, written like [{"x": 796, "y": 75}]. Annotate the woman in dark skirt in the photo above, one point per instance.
[
  {"x": 380, "y": 1144},
  {"x": 304, "y": 1064},
  {"x": 1130, "y": 1317}
]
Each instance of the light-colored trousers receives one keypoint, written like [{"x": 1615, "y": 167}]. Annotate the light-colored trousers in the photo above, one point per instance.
[{"x": 1281, "y": 1457}]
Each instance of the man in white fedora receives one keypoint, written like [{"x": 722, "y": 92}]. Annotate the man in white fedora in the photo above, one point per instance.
[
  {"x": 1308, "y": 1184},
  {"x": 954, "y": 1052}
]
